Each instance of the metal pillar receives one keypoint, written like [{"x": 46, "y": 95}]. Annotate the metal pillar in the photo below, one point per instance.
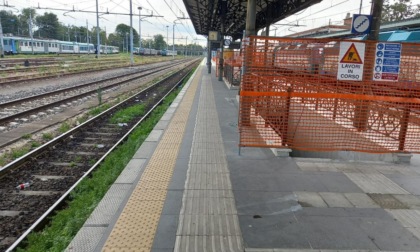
[
  {"x": 250, "y": 17},
  {"x": 173, "y": 40},
  {"x": 167, "y": 37},
  {"x": 361, "y": 112},
  {"x": 208, "y": 55},
  {"x": 1, "y": 41},
  {"x": 87, "y": 36},
  {"x": 139, "y": 28},
  {"x": 98, "y": 46},
  {"x": 30, "y": 30},
  {"x": 222, "y": 35},
  {"x": 221, "y": 53},
  {"x": 131, "y": 34}
]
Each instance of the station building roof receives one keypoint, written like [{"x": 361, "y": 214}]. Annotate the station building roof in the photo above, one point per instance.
[{"x": 206, "y": 14}]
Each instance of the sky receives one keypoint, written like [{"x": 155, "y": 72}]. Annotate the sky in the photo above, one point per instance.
[{"x": 333, "y": 11}]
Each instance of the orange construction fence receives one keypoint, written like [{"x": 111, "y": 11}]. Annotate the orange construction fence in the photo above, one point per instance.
[
  {"x": 232, "y": 68},
  {"x": 330, "y": 95}
]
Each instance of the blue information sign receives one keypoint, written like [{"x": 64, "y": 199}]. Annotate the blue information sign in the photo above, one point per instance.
[
  {"x": 392, "y": 62},
  {"x": 361, "y": 23},
  {"x": 390, "y": 69},
  {"x": 392, "y": 54},
  {"x": 393, "y": 47},
  {"x": 387, "y": 61}
]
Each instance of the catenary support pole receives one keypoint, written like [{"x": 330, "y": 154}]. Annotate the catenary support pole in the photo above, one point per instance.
[{"x": 98, "y": 42}]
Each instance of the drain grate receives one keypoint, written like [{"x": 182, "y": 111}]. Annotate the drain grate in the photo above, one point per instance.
[{"x": 387, "y": 201}]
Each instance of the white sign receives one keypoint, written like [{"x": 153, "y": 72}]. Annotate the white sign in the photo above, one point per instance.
[{"x": 350, "y": 61}]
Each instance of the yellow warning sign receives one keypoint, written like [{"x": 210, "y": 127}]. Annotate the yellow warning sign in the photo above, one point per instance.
[{"x": 352, "y": 56}]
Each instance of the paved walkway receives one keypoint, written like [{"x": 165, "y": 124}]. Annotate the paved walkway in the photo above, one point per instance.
[{"x": 187, "y": 189}]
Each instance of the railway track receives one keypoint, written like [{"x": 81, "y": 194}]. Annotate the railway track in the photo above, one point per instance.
[
  {"x": 54, "y": 68},
  {"x": 21, "y": 110},
  {"x": 36, "y": 185}
]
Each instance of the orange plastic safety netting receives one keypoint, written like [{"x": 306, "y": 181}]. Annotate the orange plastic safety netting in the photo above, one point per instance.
[{"x": 329, "y": 95}]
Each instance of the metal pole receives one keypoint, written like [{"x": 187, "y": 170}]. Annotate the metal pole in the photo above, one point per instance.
[
  {"x": 87, "y": 36},
  {"x": 185, "y": 52},
  {"x": 98, "y": 46},
  {"x": 68, "y": 32},
  {"x": 106, "y": 48},
  {"x": 131, "y": 34},
  {"x": 30, "y": 30},
  {"x": 361, "y": 110},
  {"x": 167, "y": 37},
  {"x": 250, "y": 18},
  {"x": 1, "y": 39},
  {"x": 360, "y": 8},
  {"x": 139, "y": 28},
  {"x": 173, "y": 40},
  {"x": 376, "y": 13},
  {"x": 208, "y": 55}
]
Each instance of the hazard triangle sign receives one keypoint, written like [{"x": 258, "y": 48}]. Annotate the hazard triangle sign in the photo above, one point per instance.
[
  {"x": 350, "y": 61},
  {"x": 352, "y": 56}
]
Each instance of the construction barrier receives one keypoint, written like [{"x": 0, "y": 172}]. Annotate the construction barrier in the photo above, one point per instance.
[
  {"x": 232, "y": 68},
  {"x": 330, "y": 95}
]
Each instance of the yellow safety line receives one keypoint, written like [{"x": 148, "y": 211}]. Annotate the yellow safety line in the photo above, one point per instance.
[{"x": 136, "y": 227}]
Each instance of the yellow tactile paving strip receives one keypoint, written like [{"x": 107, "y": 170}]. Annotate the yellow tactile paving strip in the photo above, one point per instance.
[{"x": 136, "y": 227}]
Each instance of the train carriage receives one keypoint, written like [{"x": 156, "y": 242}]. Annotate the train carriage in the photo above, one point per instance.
[{"x": 23, "y": 45}]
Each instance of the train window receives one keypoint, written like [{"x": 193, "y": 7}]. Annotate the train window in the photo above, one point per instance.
[
  {"x": 5, "y": 42},
  {"x": 42, "y": 43},
  {"x": 30, "y": 43}
]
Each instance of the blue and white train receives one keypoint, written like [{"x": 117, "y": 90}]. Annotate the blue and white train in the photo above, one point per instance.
[
  {"x": 168, "y": 52},
  {"x": 22, "y": 45}
]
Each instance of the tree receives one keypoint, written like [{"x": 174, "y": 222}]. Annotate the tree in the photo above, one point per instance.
[
  {"x": 122, "y": 31},
  {"x": 9, "y": 22},
  {"x": 24, "y": 20},
  {"x": 148, "y": 43},
  {"x": 159, "y": 42},
  {"x": 102, "y": 37},
  {"x": 48, "y": 25},
  {"x": 400, "y": 10},
  {"x": 114, "y": 40}
]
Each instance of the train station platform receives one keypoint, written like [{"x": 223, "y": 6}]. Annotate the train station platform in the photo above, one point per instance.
[{"x": 188, "y": 189}]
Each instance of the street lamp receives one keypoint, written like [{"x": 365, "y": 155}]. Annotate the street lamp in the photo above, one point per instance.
[{"x": 139, "y": 8}]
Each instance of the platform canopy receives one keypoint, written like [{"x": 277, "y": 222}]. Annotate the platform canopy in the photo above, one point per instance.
[{"x": 206, "y": 14}]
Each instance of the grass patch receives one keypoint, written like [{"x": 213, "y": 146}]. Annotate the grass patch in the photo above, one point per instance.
[
  {"x": 27, "y": 136},
  {"x": 100, "y": 109},
  {"x": 35, "y": 144},
  {"x": 86, "y": 196},
  {"x": 17, "y": 153},
  {"x": 127, "y": 114},
  {"x": 64, "y": 127},
  {"x": 47, "y": 136}
]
